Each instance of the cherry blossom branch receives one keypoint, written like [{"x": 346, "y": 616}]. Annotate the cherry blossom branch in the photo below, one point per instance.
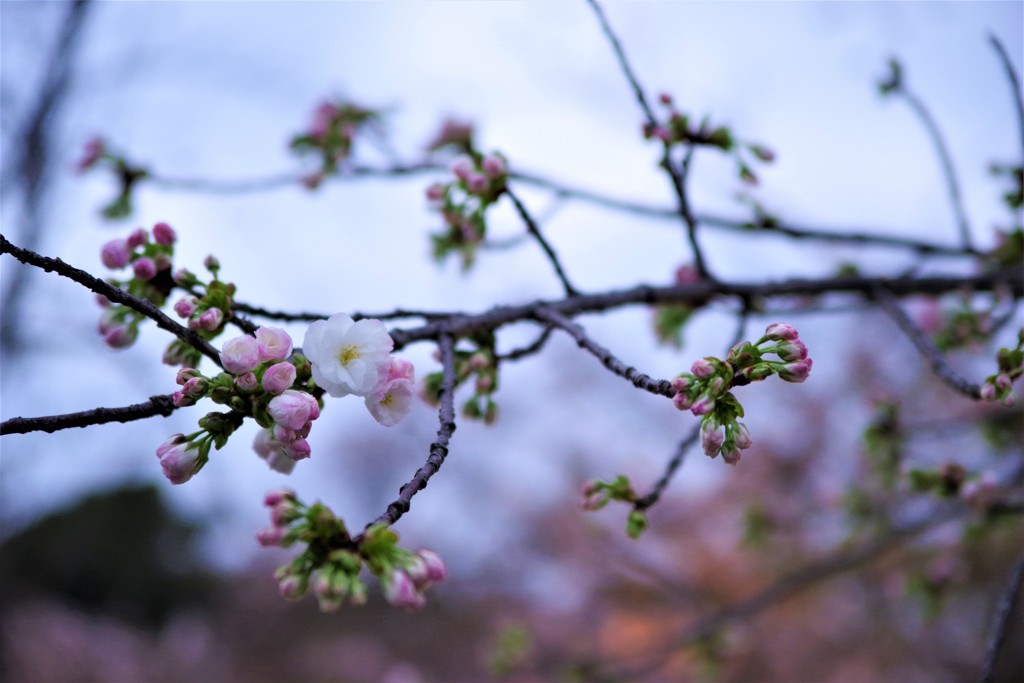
[
  {"x": 925, "y": 347},
  {"x": 1004, "y": 611},
  {"x": 156, "y": 405},
  {"x": 678, "y": 181},
  {"x": 660, "y": 387},
  {"x": 534, "y": 230},
  {"x": 1011, "y": 75},
  {"x": 623, "y": 205},
  {"x": 114, "y": 294},
  {"x": 438, "y": 449},
  {"x": 942, "y": 149},
  {"x": 460, "y": 325},
  {"x": 306, "y": 316}
]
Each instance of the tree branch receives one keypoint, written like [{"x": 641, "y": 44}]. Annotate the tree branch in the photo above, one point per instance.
[
  {"x": 1001, "y": 622},
  {"x": 1011, "y": 76},
  {"x": 939, "y": 142},
  {"x": 114, "y": 294},
  {"x": 156, "y": 405},
  {"x": 660, "y": 387},
  {"x": 674, "y": 464},
  {"x": 534, "y": 230},
  {"x": 438, "y": 449},
  {"x": 926, "y": 348}
]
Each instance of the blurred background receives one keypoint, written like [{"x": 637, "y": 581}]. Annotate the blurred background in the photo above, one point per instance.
[{"x": 127, "y": 578}]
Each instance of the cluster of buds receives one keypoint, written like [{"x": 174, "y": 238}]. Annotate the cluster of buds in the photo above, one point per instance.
[
  {"x": 182, "y": 456},
  {"x": 999, "y": 387},
  {"x": 97, "y": 153},
  {"x": 596, "y": 494},
  {"x": 678, "y": 129},
  {"x": 207, "y": 314},
  {"x": 479, "y": 181},
  {"x": 332, "y": 560},
  {"x": 963, "y": 327},
  {"x": 479, "y": 367},
  {"x": 151, "y": 262},
  {"x": 261, "y": 372},
  {"x": 706, "y": 389},
  {"x": 331, "y": 135}
]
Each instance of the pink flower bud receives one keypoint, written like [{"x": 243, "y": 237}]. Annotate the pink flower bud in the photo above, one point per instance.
[
  {"x": 988, "y": 392},
  {"x": 102, "y": 301},
  {"x": 711, "y": 438},
  {"x": 211, "y": 263},
  {"x": 120, "y": 336},
  {"x": 463, "y": 166},
  {"x": 781, "y": 332},
  {"x": 163, "y": 262},
  {"x": 400, "y": 591},
  {"x": 741, "y": 438},
  {"x": 115, "y": 254},
  {"x": 182, "y": 400},
  {"x": 137, "y": 238},
  {"x": 702, "y": 368},
  {"x": 272, "y": 537},
  {"x": 1003, "y": 382},
  {"x": 493, "y": 165},
  {"x": 275, "y": 343},
  {"x": 144, "y": 269},
  {"x": 278, "y": 377},
  {"x": 436, "y": 192},
  {"x": 185, "y": 306},
  {"x": 210, "y": 319},
  {"x": 682, "y": 401},
  {"x": 94, "y": 151},
  {"x": 239, "y": 355},
  {"x": 272, "y": 498},
  {"x": 297, "y": 449},
  {"x": 291, "y": 587},
  {"x": 681, "y": 383},
  {"x": 195, "y": 387},
  {"x": 179, "y": 462},
  {"x": 173, "y": 441},
  {"x": 662, "y": 133},
  {"x": 687, "y": 275},
  {"x": 796, "y": 372},
  {"x": 436, "y": 570},
  {"x": 703, "y": 405},
  {"x": 293, "y": 409},
  {"x": 477, "y": 183},
  {"x": 731, "y": 456},
  {"x": 247, "y": 382},
  {"x": 163, "y": 234},
  {"x": 183, "y": 277},
  {"x": 665, "y": 98},
  {"x": 185, "y": 374},
  {"x": 792, "y": 350}
]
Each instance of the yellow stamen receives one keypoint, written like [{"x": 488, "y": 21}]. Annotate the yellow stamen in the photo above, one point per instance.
[{"x": 348, "y": 354}]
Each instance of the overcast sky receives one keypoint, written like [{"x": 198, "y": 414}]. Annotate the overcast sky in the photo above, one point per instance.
[{"x": 215, "y": 90}]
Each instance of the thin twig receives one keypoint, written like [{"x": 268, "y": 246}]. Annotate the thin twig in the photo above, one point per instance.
[
  {"x": 678, "y": 181},
  {"x": 925, "y": 347},
  {"x": 659, "y": 387},
  {"x": 534, "y": 230},
  {"x": 114, "y": 294},
  {"x": 939, "y": 142},
  {"x": 537, "y": 345},
  {"x": 438, "y": 449},
  {"x": 674, "y": 464},
  {"x": 156, "y": 405},
  {"x": 1011, "y": 75},
  {"x": 1001, "y": 622}
]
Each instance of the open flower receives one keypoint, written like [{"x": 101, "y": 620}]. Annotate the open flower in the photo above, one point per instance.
[{"x": 347, "y": 357}]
